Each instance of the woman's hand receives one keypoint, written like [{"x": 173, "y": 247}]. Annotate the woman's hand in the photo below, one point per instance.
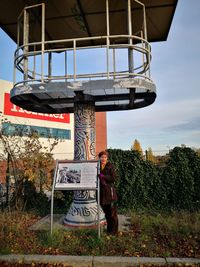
[{"x": 102, "y": 179}]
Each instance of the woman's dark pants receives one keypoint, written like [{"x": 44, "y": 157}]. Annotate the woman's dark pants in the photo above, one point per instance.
[{"x": 110, "y": 211}]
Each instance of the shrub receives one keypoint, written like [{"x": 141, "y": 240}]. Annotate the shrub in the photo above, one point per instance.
[{"x": 143, "y": 185}]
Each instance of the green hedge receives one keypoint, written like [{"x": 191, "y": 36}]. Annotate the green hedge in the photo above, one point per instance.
[
  {"x": 143, "y": 185},
  {"x": 181, "y": 179}
]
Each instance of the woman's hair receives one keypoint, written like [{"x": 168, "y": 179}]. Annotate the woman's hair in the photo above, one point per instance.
[{"x": 104, "y": 152}]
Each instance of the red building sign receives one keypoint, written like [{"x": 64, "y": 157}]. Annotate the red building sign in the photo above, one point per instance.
[{"x": 13, "y": 110}]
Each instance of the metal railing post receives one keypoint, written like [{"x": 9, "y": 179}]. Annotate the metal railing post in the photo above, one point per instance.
[
  {"x": 25, "y": 42},
  {"x": 107, "y": 39},
  {"x": 49, "y": 65},
  {"x": 65, "y": 65},
  {"x": 34, "y": 64},
  {"x": 42, "y": 42},
  {"x": 130, "y": 50},
  {"x": 74, "y": 48},
  {"x": 114, "y": 64},
  {"x": 145, "y": 36}
]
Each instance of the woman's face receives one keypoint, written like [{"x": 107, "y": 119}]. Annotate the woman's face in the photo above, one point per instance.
[{"x": 104, "y": 159}]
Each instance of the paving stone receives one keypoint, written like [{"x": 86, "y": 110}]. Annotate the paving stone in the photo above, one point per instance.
[
  {"x": 124, "y": 223},
  {"x": 71, "y": 261},
  {"x": 115, "y": 261},
  {"x": 171, "y": 260},
  {"x": 153, "y": 261},
  {"x": 44, "y": 223},
  {"x": 12, "y": 258}
]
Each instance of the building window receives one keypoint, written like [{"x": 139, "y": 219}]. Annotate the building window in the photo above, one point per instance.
[{"x": 43, "y": 132}]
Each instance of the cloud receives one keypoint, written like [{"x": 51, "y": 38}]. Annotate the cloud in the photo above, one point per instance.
[
  {"x": 193, "y": 125},
  {"x": 158, "y": 125},
  {"x": 161, "y": 115}
]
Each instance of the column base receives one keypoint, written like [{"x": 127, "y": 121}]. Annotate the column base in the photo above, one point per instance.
[{"x": 84, "y": 214}]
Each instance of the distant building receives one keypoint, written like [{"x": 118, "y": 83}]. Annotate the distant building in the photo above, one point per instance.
[{"x": 101, "y": 132}]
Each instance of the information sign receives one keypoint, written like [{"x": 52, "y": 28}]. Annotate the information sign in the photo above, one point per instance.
[{"x": 76, "y": 175}]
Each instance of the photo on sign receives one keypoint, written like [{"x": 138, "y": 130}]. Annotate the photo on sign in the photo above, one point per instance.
[
  {"x": 70, "y": 174},
  {"x": 73, "y": 174}
]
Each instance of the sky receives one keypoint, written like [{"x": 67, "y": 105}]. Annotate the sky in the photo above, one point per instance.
[{"x": 174, "y": 118}]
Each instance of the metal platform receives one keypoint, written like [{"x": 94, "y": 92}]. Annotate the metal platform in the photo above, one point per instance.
[{"x": 107, "y": 95}]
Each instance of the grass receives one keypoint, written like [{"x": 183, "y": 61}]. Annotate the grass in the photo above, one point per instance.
[
  {"x": 175, "y": 222},
  {"x": 176, "y": 234},
  {"x": 152, "y": 235}
]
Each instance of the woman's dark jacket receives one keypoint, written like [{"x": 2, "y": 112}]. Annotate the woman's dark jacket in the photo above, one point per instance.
[{"x": 107, "y": 189}]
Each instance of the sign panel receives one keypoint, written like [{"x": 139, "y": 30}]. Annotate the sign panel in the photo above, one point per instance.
[
  {"x": 76, "y": 174},
  {"x": 13, "y": 110}
]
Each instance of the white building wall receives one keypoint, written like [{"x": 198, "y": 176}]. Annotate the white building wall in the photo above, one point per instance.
[{"x": 16, "y": 115}]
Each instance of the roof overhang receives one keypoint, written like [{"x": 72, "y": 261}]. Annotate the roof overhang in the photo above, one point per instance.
[{"x": 86, "y": 18}]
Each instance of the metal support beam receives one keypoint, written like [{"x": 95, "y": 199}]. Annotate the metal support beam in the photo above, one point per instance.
[
  {"x": 130, "y": 53},
  {"x": 49, "y": 64},
  {"x": 84, "y": 18},
  {"x": 25, "y": 42}
]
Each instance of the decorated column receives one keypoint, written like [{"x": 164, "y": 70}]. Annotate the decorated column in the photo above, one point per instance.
[{"x": 83, "y": 211}]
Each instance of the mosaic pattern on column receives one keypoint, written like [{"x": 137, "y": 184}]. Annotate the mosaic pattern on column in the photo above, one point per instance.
[
  {"x": 84, "y": 140},
  {"x": 84, "y": 132},
  {"x": 83, "y": 211}
]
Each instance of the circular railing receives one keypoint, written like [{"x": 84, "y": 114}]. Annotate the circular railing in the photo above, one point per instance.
[{"x": 25, "y": 60}]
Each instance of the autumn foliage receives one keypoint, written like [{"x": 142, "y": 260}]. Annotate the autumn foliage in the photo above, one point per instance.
[{"x": 28, "y": 161}]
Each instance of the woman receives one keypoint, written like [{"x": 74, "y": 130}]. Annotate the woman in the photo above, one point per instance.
[{"x": 108, "y": 196}]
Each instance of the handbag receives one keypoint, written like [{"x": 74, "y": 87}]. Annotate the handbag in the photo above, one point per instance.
[{"x": 113, "y": 193}]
